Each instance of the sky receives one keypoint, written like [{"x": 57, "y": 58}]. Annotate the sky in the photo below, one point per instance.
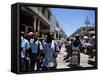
[{"x": 72, "y": 19}]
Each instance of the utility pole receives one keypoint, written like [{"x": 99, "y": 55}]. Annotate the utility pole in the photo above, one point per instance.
[{"x": 87, "y": 22}]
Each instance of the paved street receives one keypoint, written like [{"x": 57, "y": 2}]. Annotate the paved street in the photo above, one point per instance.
[{"x": 62, "y": 64}]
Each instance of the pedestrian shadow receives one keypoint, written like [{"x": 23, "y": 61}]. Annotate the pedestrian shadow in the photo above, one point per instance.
[{"x": 74, "y": 66}]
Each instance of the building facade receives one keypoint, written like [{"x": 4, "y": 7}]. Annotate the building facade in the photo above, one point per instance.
[
  {"x": 35, "y": 19},
  {"x": 56, "y": 28},
  {"x": 40, "y": 20}
]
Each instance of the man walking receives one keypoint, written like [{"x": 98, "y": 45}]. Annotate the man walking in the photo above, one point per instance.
[{"x": 50, "y": 48}]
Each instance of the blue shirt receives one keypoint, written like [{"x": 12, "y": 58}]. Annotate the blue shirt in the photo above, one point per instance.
[
  {"x": 49, "y": 51},
  {"x": 35, "y": 46},
  {"x": 24, "y": 45},
  {"x": 77, "y": 42}
]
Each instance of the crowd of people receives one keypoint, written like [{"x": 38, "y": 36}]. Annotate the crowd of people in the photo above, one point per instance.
[
  {"x": 38, "y": 54},
  {"x": 85, "y": 45},
  {"x": 41, "y": 54}
]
